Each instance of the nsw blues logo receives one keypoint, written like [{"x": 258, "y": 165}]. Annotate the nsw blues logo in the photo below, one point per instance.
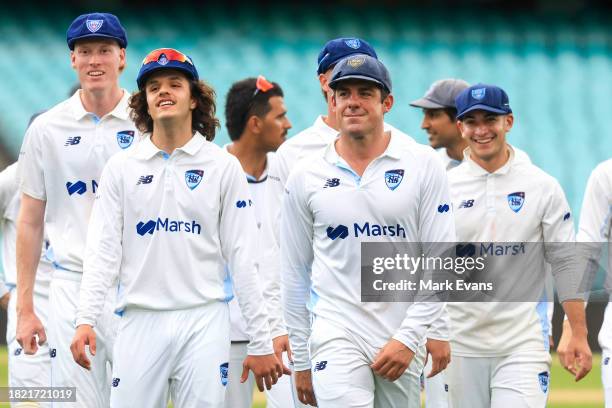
[
  {"x": 354, "y": 43},
  {"x": 94, "y": 25},
  {"x": 479, "y": 93},
  {"x": 193, "y": 178},
  {"x": 516, "y": 201},
  {"x": 223, "y": 369},
  {"x": 162, "y": 60},
  {"x": 125, "y": 138},
  {"x": 393, "y": 178},
  {"x": 543, "y": 379}
]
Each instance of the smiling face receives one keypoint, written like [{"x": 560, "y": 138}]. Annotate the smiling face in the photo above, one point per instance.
[
  {"x": 441, "y": 130},
  {"x": 485, "y": 133},
  {"x": 169, "y": 96},
  {"x": 98, "y": 63}
]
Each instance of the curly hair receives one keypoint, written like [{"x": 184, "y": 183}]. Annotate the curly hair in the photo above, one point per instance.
[{"x": 203, "y": 118}]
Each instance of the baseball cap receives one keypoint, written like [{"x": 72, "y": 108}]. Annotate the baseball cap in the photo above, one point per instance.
[
  {"x": 441, "y": 94},
  {"x": 489, "y": 98},
  {"x": 337, "y": 49},
  {"x": 361, "y": 66},
  {"x": 92, "y": 25},
  {"x": 165, "y": 58}
]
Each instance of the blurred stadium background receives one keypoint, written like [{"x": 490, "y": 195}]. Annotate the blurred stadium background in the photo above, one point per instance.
[{"x": 553, "y": 57}]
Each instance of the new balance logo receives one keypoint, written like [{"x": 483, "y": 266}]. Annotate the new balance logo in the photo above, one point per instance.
[
  {"x": 79, "y": 187},
  {"x": 167, "y": 225},
  {"x": 566, "y": 216},
  {"x": 320, "y": 365},
  {"x": 18, "y": 351},
  {"x": 116, "y": 382},
  {"x": 145, "y": 179},
  {"x": 53, "y": 353},
  {"x": 466, "y": 204},
  {"x": 341, "y": 231},
  {"x": 443, "y": 208},
  {"x": 74, "y": 140},
  {"x": 332, "y": 182}
]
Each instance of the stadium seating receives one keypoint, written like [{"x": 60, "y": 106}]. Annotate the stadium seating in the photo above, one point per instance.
[{"x": 556, "y": 72}]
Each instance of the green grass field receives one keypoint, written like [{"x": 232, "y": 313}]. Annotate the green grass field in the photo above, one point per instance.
[{"x": 564, "y": 392}]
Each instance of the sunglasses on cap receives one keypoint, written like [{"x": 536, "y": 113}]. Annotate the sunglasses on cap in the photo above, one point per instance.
[{"x": 164, "y": 55}]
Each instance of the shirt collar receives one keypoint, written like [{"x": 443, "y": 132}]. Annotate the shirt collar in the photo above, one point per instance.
[
  {"x": 392, "y": 151},
  {"x": 147, "y": 150},
  {"x": 477, "y": 170},
  {"x": 324, "y": 131},
  {"x": 120, "y": 111}
]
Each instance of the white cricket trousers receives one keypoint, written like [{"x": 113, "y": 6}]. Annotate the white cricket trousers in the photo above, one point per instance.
[{"x": 436, "y": 388}]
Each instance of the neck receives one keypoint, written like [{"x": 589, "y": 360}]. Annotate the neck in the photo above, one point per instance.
[
  {"x": 252, "y": 159},
  {"x": 495, "y": 163},
  {"x": 101, "y": 102},
  {"x": 168, "y": 136},
  {"x": 359, "y": 152},
  {"x": 330, "y": 119},
  {"x": 456, "y": 151}
]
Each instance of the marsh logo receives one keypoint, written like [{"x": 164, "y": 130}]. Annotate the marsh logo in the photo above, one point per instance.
[
  {"x": 516, "y": 201},
  {"x": 354, "y": 43},
  {"x": 223, "y": 370},
  {"x": 465, "y": 250},
  {"x": 366, "y": 229},
  {"x": 479, "y": 93},
  {"x": 78, "y": 187},
  {"x": 193, "y": 178},
  {"x": 442, "y": 208},
  {"x": 125, "y": 138},
  {"x": 94, "y": 25},
  {"x": 167, "y": 225},
  {"x": 543, "y": 379},
  {"x": 341, "y": 231},
  {"x": 243, "y": 203},
  {"x": 393, "y": 178}
]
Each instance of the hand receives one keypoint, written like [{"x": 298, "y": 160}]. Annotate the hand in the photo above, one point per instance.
[
  {"x": 281, "y": 344},
  {"x": 85, "y": 335},
  {"x": 440, "y": 355},
  {"x": 265, "y": 368},
  {"x": 29, "y": 327},
  {"x": 575, "y": 353},
  {"x": 303, "y": 385},
  {"x": 4, "y": 300},
  {"x": 392, "y": 360}
]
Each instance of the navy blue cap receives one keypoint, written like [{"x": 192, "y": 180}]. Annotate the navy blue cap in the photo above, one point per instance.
[
  {"x": 489, "y": 98},
  {"x": 363, "y": 67},
  {"x": 96, "y": 25},
  {"x": 165, "y": 58},
  {"x": 340, "y": 48}
]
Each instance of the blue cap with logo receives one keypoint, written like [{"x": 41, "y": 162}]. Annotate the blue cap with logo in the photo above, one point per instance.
[
  {"x": 96, "y": 25},
  {"x": 340, "y": 48},
  {"x": 484, "y": 97},
  {"x": 165, "y": 58},
  {"x": 363, "y": 67}
]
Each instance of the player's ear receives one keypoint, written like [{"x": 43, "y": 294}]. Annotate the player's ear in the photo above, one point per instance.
[
  {"x": 72, "y": 60},
  {"x": 387, "y": 103},
  {"x": 122, "y": 60},
  {"x": 460, "y": 127},
  {"x": 508, "y": 121},
  {"x": 254, "y": 124}
]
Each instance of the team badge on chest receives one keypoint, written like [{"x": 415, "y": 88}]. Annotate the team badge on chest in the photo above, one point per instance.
[
  {"x": 516, "y": 201},
  {"x": 193, "y": 178},
  {"x": 393, "y": 178},
  {"x": 125, "y": 138}
]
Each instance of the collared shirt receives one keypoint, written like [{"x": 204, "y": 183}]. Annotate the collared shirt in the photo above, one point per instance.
[
  {"x": 596, "y": 228},
  {"x": 62, "y": 157},
  {"x": 165, "y": 225},
  {"x": 323, "y": 192},
  {"x": 517, "y": 203},
  {"x": 9, "y": 210}
]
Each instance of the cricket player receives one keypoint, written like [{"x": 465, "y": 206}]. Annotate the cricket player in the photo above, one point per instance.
[
  {"x": 594, "y": 235},
  {"x": 500, "y": 352},
  {"x": 60, "y": 163},
  {"x": 168, "y": 216},
  {"x": 24, "y": 370},
  {"x": 257, "y": 124},
  {"x": 359, "y": 354}
]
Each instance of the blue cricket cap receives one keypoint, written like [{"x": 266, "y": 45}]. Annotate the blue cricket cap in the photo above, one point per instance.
[
  {"x": 337, "y": 49},
  {"x": 484, "y": 97},
  {"x": 361, "y": 66},
  {"x": 96, "y": 25}
]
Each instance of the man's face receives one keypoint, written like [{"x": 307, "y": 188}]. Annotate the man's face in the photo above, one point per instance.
[
  {"x": 485, "y": 133},
  {"x": 169, "y": 96},
  {"x": 358, "y": 106},
  {"x": 274, "y": 125},
  {"x": 98, "y": 63},
  {"x": 442, "y": 131}
]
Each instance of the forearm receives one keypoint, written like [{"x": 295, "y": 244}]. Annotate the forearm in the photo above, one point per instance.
[
  {"x": 29, "y": 244},
  {"x": 419, "y": 318},
  {"x": 574, "y": 310}
]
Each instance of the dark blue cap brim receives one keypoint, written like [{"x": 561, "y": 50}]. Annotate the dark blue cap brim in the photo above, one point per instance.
[
  {"x": 154, "y": 67},
  {"x": 335, "y": 82},
  {"x": 95, "y": 35},
  {"x": 484, "y": 108}
]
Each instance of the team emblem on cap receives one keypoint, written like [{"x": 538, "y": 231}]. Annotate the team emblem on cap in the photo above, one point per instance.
[
  {"x": 193, "y": 178},
  {"x": 162, "y": 60},
  {"x": 479, "y": 93},
  {"x": 516, "y": 201},
  {"x": 354, "y": 43},
  {"x": 356, "y": 61},
  {"x": 125, "y": 138},
  {"x": 94, "y": 25},
  {"x": 393, "y": 178}
]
